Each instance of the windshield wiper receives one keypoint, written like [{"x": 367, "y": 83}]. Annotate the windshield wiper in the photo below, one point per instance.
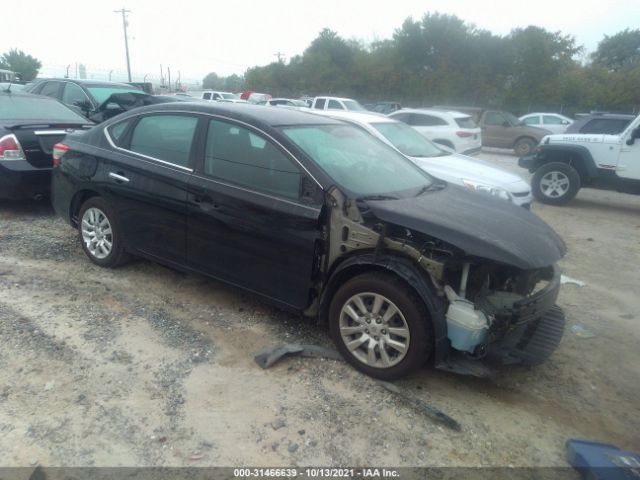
[{"x": 434, "y": 187}]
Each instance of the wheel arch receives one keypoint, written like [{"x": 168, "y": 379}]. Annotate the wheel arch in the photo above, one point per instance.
[
  {"x": 78, "y": 199},
  {"x": 576, "y": 156},
  {"x": 404, "y": 268}
]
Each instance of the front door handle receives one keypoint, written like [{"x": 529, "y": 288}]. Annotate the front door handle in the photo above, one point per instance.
[{"x": 118, "y": 178}]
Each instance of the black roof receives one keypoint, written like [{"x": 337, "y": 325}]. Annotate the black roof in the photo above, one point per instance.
[{"x": 253, "y": 114}]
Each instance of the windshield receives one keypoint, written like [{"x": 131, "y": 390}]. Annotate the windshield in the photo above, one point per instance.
[
  {"x": 102, "y": 92},
  {"x": 230, "y": 96},
  {"x": 37, "y": 108},
  {"x": 358, "y": 161},
  {"x": 408, "y": 140},
  {"x": 353, "y": 106}
]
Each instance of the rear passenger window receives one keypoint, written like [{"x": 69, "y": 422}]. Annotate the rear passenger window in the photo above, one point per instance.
[
  {"x": 549, "y": 120},
  {"x": 51, "y": 89},
  {"x": 421, "y": 120},
  {"x": 238, "y": 156},
  {"x": 207, "y": 96},
  {"x": 402, "y": 117},
  {"x": 532, "y": 121},
  {"x": 319, "y": 104},
  {"x": 165, "y": 137},
  {"x": 334, "y": 105},
  {"x": 116, "y": 132}
]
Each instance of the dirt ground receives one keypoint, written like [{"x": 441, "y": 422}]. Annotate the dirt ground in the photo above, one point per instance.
[{"x": 145, "y": 366}]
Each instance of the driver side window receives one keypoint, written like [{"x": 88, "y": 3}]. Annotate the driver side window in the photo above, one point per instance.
[
  {"x": 494, "y": 119},
  {"x": 74, "y": 95}
]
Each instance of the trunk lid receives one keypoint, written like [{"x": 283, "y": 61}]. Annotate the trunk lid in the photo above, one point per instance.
[{"x": 37, "y": 140}]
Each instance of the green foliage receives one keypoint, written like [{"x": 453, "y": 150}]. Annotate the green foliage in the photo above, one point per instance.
[
  {"x": 21, "y": 63},
  {"x": 441, "y": 59},
  {"x": 619, "y": 51}
]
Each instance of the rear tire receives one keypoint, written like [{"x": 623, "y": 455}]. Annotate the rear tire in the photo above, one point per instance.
[
  {"x": 100, "y": 234},
  {"x": 380, "y": 326},
  {"x": 555, "y": 183}
]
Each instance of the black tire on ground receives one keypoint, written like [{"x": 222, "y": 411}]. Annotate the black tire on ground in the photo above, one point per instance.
[
  {"x": 411, "y": 309},
  {"x": 116, "y": 255},
  {"x": 524, "y": 146},
  {"x": 555, "y": 183}
]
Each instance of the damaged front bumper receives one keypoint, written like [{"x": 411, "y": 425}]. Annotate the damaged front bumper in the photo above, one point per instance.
[{"x": 531, "y": 331}]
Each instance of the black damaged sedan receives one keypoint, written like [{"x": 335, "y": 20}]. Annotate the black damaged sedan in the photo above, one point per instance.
[{"x": 318, "y": 217}]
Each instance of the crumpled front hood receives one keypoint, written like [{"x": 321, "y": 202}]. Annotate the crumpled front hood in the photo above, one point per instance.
[{"x": 481, "y": 225}]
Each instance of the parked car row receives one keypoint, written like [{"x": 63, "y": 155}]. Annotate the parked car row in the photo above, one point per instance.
[{"x": 321, "y": 215}]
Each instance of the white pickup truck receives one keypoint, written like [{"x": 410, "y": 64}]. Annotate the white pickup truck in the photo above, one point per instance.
[{"x": 564, "y": 163}]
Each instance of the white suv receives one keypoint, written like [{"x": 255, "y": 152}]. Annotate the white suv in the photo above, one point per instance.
[
  {"x": 337, "y": 103},
  {"x": 221, "y": 97},
  {"x": 454, "y": 130}
]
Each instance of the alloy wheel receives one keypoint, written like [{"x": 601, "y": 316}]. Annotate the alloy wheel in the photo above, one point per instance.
[
  {"x": 96, "y": 233},
  {"x": 554, "y": 184},
  {"x": 374, "y": 330}
]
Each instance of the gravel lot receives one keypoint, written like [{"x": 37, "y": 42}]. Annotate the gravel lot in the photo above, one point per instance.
[{"x": 147, "y": 366}]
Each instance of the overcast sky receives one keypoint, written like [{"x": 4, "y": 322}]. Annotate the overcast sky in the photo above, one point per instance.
[{"x": 227, "y": 37}]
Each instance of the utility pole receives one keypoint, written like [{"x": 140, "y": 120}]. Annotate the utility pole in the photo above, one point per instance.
[
  {"x": 126, "y": 38},
  {"x": 110, "y": 72},
  {"x": 280, "y": 56}
]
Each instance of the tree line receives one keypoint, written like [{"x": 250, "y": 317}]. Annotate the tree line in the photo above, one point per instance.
[{"x": 441, "y": 59}]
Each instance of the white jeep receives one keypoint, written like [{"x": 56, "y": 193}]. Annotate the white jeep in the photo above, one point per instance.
[{"x": 564, "y": 163}]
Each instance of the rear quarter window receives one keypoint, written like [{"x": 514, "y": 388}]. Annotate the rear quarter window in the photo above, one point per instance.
[
  {"x": 117, "y": 131},
  {"x": 466, "y": 122}
]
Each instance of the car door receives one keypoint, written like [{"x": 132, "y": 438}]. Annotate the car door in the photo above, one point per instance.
[
  {"x": 248, "y": 223},
  {"x": 553, "y": 123},
  {"x": 495, "y": 133},
  {"x": 74, "y": 96},
  {"x": 145, "y": 179},
  {"x": 629, "y": 159},
  {"x": 50, "y": 89}
]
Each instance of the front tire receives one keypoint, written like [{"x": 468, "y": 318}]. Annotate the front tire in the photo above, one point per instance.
[
  {"x": 555, "y": 183},
  {"x": 380, "y": 326},
  {"x": 100, "y": 234},
  {"x": 524, "y": 147}
]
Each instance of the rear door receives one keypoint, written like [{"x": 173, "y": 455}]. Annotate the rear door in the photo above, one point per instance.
[
  {"x": 249, "y": 220},
  {"x": 145, "y": 179}
]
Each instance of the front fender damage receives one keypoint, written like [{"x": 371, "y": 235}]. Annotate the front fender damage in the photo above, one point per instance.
[{"x": 514, "y": 307}]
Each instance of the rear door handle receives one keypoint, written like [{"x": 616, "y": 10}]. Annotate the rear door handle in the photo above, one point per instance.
[{"x": 118, "y": 178}]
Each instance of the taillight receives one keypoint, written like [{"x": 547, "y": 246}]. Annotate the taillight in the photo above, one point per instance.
[
  {"x": 59, "y": 149},
  {"x": 462, "y": 134},
  {"x": 10, "y": 148}
]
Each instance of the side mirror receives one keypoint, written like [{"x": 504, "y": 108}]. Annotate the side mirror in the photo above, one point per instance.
[
  {"x": 506, "y": 124},
  {"x": 565, "y": 122},
  {"x": 635, "y": 134}
]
